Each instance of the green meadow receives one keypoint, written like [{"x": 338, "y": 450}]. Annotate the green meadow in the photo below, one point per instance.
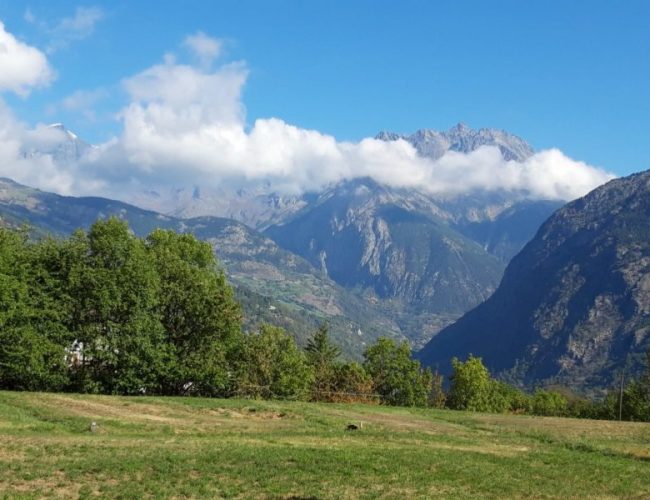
[{"x": 200, "y": 448}]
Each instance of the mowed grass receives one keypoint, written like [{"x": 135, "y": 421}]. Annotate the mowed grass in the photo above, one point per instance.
[{"x": 191, "y": 447}]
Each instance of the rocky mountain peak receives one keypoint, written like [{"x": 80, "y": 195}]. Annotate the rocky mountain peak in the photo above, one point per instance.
[
  {"x": 387, "y": 136},
  {"x": 61, "y": 144},
  {"x": 462, "y": 138},
  {"x": 459, "y": 129},
  {"x": 59, "y": 126}
]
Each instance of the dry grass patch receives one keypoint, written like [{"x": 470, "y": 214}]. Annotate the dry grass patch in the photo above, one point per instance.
[
  {"x": 247, "y": 413},
  {"x": 57, "y": 485},
  {"x": 11, "y": 453},
  {"x": 569, "y": 427},
  {"x": 96, "y": 409},
  {"x": 397, "y": 422}
]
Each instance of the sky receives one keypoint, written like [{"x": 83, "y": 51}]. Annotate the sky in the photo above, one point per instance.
[{"x": 227, "y": 79}]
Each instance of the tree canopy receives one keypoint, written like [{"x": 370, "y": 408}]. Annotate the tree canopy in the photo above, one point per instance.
[
  {"x": 397, "y": 378},
  {"x": 105, "y": 311}
]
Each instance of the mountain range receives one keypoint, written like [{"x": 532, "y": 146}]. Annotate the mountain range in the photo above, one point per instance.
[
  {"x": 258, "y": 206},
  {"x": 421, "y": 259},
  {"x": 378, "y": 260}
]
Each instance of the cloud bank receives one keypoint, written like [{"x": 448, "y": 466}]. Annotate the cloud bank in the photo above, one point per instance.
[{"x": 185, "y": 125}]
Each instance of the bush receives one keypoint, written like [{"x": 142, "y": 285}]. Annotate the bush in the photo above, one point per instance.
[
  {"x": 547, "y": 403},
  {"x": 272, "y": 366},
  {"x": 516, "y": 401},
  {"x": 350, "y": 383}
]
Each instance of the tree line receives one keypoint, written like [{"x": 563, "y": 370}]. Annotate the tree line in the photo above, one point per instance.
[{"x": 106, "y": 312}]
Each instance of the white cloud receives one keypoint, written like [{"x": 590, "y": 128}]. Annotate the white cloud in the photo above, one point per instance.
[
  {"x": 82, "y": 24},
  {"x": 16, "y": 143},
  {"x": 186, "y": 125},
  {"x": 205, "y": 48},
  {"x": 22, "y": 67}
]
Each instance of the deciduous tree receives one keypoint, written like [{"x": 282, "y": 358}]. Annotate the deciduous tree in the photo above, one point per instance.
[
  {"x": 271, "y": 365},
  {"x": 199, "y": 315},
  {"x": 397, "y": 378}
]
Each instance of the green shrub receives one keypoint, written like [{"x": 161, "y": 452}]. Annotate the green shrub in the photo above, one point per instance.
[{"x": 548, "y": 403}]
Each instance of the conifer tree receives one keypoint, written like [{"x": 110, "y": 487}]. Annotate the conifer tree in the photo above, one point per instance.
[{"x": 321, "y": 355}]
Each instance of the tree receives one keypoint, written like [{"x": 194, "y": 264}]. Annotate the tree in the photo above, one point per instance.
[
  {"x": 638, "y": 397},
  {"x": 350, "y": 383},
  {"x": 437, "y": 396},
  {"x": 635, "y": 402},
  {"x": 473, "y": 389},
  {"x": 320, "y": 350},
  {"x": 509, "y": 398},
  {"x": 198, "y": 312},
  {"x": 32, "y": 354},
  {"x": 631, "y": 402},
  {"x": 115, "y": 318},
  {"x": 321, "y": 355},
  {"x": 30, "y": 361},
  {"x": 272, "y": 366},
  {"x": 397, "y": 378},
  {"x": 104, "y": 311}
]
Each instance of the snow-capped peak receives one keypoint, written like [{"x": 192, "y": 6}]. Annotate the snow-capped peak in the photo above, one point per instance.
[{"x": 61, "y": 127}]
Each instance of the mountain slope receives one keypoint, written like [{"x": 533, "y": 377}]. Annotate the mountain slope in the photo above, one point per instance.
[
  {"x": 505, "y": 234},
  {"x": 267, "y": 274},
  {"x": 57, "y": 142},
  {"x": 574, "y": 306},
  {"x": 395, "y": 245},
  {"x": 476, "y": 215},
  {"x": 256, "y": 207},
  {"x": 368, "y": 235}
]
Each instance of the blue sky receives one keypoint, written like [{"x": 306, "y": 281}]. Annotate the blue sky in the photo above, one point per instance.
[{"x": 567, "y": 74}]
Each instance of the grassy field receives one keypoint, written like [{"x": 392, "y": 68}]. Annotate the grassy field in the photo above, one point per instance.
[{"x": 174, "y": 447}]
